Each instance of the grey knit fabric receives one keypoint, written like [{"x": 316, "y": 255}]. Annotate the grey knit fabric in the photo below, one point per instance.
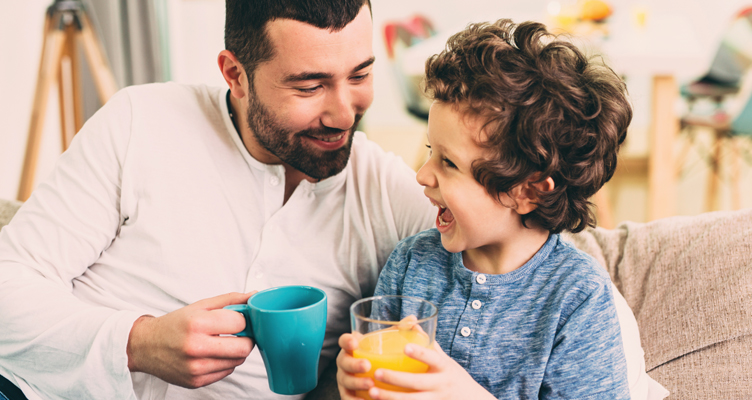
[
  {"x": 8, "y": 208},
  {"x": 689, "y": 282}
]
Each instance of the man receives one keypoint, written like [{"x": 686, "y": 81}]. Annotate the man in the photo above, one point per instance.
[{"x": 175, "y": 201}]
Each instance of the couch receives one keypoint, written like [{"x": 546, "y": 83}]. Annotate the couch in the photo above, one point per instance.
[{"x": 688, "y": 281}]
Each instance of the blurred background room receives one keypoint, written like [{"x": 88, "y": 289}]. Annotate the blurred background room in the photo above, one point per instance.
[{"x": 686, "y": 64}]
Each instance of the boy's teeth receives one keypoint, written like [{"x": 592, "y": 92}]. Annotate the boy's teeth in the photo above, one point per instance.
[
  {"x": 446, "y": 217},
  {"x": 442, "y": 222}
]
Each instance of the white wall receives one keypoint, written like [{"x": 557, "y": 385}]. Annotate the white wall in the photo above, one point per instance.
[
  {"x": 196, "y": 32},
  {"x": 20, "y": 51}
]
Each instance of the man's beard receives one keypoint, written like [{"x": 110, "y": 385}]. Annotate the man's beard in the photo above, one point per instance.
[{"x": 289, "y": 147}]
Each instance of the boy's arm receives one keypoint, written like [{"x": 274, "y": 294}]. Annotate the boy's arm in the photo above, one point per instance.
[{"x": 587, "y": 359}]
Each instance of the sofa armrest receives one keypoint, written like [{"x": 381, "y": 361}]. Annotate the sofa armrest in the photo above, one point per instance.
[
  {"x": 688, "y": 280},
  {"x": 8, "y": 209}
]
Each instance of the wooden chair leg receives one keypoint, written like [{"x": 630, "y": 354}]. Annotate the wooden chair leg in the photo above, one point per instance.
[
  {"x": 736, "y": 184},
  {"x": 103, "y": 77},
  {"x": 67, "y": 87},
  {"x": 711, "y": 194},
  {"x": 52, "y": 51},
  {"x": 661, "y": 164}
]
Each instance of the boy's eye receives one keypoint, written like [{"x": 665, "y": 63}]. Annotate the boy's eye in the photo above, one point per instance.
[
  {"x": 449, "y": 163},
  {"x": 445, "y": 160}
]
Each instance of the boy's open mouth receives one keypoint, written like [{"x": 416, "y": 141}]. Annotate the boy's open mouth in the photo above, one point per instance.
[{"x": 445, "y": 216}]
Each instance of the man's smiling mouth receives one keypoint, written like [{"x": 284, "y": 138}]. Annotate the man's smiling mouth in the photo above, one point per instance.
[{"x": 330, "y": 139}]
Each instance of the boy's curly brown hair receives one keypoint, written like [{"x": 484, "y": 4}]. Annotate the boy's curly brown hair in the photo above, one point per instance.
[{"x": 548, "y": 109}]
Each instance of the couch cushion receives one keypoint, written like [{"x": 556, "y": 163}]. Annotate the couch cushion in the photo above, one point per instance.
[
  {"x": 687, "y": 279},
  {"x": 720, "y": 371},
  {"x": 8, "y": 208}
]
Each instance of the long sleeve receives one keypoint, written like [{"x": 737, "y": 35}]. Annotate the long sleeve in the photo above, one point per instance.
[{"x": 70, "y": 219}]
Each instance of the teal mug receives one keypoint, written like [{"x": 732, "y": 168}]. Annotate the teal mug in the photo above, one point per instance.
[{"x": 288, "y": 325}]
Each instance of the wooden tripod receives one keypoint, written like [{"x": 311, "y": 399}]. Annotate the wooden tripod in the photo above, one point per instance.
[{"x": 66, "y": 23}]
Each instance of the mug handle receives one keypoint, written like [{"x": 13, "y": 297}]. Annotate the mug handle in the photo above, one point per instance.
[{"x": 244, "y": 310}]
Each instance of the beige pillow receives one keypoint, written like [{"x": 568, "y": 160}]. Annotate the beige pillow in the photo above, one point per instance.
[
  {"x": 8, "y": 209},
  {"x": 688, "y": 281}
]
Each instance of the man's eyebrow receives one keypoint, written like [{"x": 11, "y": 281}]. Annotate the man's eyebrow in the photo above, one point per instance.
[
  {"x": 364, "y": 64},
  {"x": 307, "y": 76},
  {"x": 312, "y": 76}
]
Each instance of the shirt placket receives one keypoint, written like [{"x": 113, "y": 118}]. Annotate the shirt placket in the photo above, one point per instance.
[
  {"x": 466, "y": 334},
  {"x": 274, "y": 191}
]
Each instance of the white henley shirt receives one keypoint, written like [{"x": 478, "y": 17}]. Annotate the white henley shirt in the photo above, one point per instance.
[{"x": 157, "y": 204}]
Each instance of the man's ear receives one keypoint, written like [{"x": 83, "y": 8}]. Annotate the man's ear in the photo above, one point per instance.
[
  {"x": 234, "y": 73},
  {"x": 526, "y": 193}
]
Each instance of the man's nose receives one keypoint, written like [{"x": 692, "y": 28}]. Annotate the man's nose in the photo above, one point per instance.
[{"x": 339, "y": 110}]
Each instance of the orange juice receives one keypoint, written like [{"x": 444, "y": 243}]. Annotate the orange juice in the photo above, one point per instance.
[{"x": 385, "y": 349}]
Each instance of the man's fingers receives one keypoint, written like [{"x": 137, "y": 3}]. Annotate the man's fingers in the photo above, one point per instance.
[
  {"x": 220, "y": 347},
  {"x": 203, "y": 380},
  {"x": 221, "y": 322},
  {"x": 223, "y": 300}
]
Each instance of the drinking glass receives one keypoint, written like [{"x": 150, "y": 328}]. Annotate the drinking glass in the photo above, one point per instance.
[{"x": 384, "y": 325}]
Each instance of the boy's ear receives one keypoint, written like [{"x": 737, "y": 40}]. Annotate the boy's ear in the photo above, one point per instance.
[{"x": 526, "y": 193}]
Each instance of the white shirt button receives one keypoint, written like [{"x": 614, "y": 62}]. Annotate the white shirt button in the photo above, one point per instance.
[
  {"x": 465, "y": 331},
  {"x": 274, "y": 181},
  {"x": 480, "y": 279},
  {"x": 477, "y": 304}
]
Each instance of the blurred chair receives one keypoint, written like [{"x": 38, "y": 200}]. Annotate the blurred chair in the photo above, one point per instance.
[
  {"x": 732, "y": 59},
  {"x": 732, "y": 134},
  {"x": 729, "y": 84},
  {"x": 398, "y": 36}
]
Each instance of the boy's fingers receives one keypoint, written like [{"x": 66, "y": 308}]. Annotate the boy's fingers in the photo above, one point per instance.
[
  {"x": 407, "y": 323},
  {"x": 352, "y": 382},
  {"x": 407, "y": 380},
  {"x": 349, "y": 341},
  {"x": 352, "y": 365},
  {"x": 434, "y": 359},
  {"x": 382, "y": 394}
]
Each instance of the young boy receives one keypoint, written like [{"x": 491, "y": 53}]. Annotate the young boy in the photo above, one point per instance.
[{"x": 523, "y": 130}]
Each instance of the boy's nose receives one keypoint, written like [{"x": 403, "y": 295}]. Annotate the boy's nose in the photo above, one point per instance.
[{"x": 425, "y": 176}]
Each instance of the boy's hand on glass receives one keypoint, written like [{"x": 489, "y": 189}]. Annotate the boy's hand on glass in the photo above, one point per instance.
[
  {"x": 445, "y": 379},
  {"x": 348, "y": 366}
]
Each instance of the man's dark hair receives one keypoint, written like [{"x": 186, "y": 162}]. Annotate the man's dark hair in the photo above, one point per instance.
[
  {"x": 245, "y": 23},
  {"x": 547, "y": 108}
]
